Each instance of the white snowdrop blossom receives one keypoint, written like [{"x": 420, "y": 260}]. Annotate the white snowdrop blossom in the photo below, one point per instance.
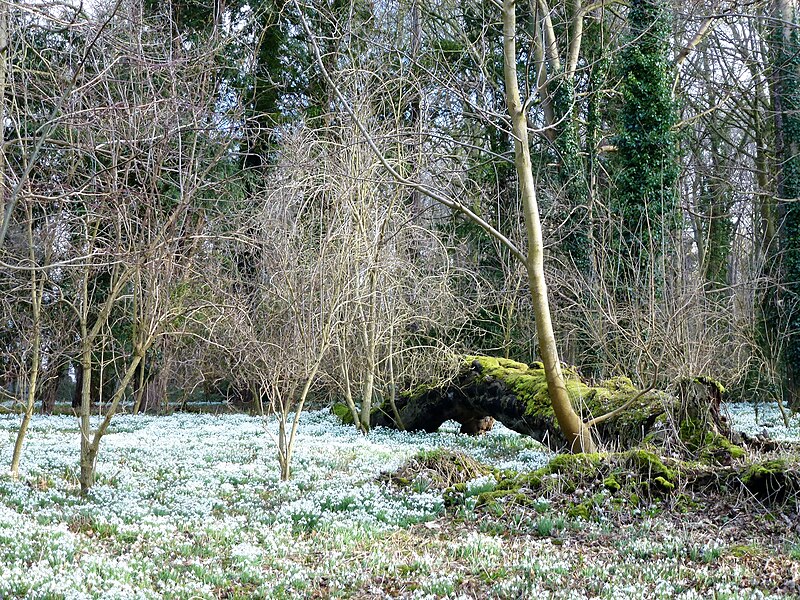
[
  {"x": 185, "y": 502},
  {"x": 192, "y": 506},
  {"x": 754, "y": 419}
]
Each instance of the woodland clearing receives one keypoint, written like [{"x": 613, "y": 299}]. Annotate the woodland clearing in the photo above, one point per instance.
[{"x": 192, "y": 506}]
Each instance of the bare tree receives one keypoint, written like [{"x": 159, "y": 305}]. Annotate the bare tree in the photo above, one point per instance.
[
  {"x": 577, "y": 435},
  {"x": 121, "y": 167}
]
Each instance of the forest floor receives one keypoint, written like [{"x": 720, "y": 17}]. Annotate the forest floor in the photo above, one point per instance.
[{"x": 191, "y": 506}]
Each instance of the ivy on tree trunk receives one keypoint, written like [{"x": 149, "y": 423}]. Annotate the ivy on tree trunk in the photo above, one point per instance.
[
  {"x": 787, "y": 127},
  {"x": 646, "y": 202}
]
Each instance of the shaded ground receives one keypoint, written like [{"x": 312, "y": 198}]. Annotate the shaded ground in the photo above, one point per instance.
[{"x": 525, "y": 553}]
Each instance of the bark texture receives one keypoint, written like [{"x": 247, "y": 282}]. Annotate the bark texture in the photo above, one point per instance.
[{"x": 578, "y": 436}]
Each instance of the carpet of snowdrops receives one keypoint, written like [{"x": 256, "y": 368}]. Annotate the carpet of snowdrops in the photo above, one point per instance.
[{"x": 191, "y": 506}]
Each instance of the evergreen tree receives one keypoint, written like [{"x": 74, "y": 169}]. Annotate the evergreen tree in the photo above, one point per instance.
[
  {"x": 646, "y": 202},
  {"x": 787, "y": 112}
]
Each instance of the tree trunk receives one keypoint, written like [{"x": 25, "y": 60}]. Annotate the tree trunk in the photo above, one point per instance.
[
  {"x": 517, "y": 395},
  {"x": 716, "y": 202},
  {"x": 90, "y": 444},
  {"x": 139, "y": 386},
  {"x": 49, "y": 390},
  {"x": 97, "y": 388},
  {"x": 370, "y": 344},
  {"x": 645, "y": 203},
  {"x": 787, "y": 142},
  {"x": 154, "y": 397},
  {"x": 87, "y": 458},
  {"x": 29, "y": 403},
  {"x": 37, "y": 291},
  {"x": 578, "y": 436}
]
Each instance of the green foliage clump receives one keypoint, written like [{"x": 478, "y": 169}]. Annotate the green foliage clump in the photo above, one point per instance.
[
  {"x": 744, "y": 550},
  {"x": 664, "y": 484},
  {"x": 342, "y": 412},
  {"x": 651, "y": 466},
  {"x": 611, "y": 483},
  {"x": 575, "y": 465},
  {"x": 628, "y": 475},
  {"x": 765, "y": 475},
  {"x": 708, "y": 445}
]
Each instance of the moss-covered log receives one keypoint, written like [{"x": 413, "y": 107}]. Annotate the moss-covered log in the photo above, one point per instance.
[
  {"x": 638, "y": 474},
  {"x": 516, "y": 395}
]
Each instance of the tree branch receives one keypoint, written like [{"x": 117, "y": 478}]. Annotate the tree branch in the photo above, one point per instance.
[
  {"x": 421, "y": 188},
  {"x": 624, "y": 407}
]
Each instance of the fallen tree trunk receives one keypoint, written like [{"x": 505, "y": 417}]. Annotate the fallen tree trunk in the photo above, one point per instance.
[{"x": 687, "y": 421}]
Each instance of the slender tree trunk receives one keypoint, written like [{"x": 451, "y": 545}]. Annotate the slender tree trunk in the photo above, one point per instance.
[
  {"x": 87, "y": 460},
  {"x": 37, "y": 292},
  {"x": 393, "y": 383},
  {"x": 415, "y": 105},
  {"x": 287, "y": 438},
  {"x": 257, "y": 406},
  {"x": 787, "y": 141},
  {"x": 715, "y": 205},
  {"x": 370, "y": 335},
  {"x": 348, "y": 389},
  {"x": 764, "y": 212},
  {"x": 283, "y": 454},
  {"x": 90, "y": 449},
  {"x": 33, "y": 379},
  {"x": 576, "y": 433},
  {"x": 139, "y": 387},
  {"x": 49, "y": 390},
  {"x": 77, "y": 394}
]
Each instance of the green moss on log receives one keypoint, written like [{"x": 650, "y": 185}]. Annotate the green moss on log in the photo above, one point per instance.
[
  {"x": 710, "y": 381},
  {"x": 633, "y": 473},
  {"x": 649, "y": 465},
  {"x": 636, "y": 475},
  {"x": 707, "y": 444},
  {"x": 517, "y": 395},
  {"x": 575, "y": 465},
  {"x": 416, "y": 392},
  {"x": 529, "y": 384},
  {"x": 342, "y": 412},
  {"x": 772, "y": 479},
  {"x": 664, "y": 484},
  {"x": 764, "y": 469}
]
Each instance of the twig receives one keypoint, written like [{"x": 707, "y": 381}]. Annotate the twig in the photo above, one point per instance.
[{"x": 628, "y": 404}]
